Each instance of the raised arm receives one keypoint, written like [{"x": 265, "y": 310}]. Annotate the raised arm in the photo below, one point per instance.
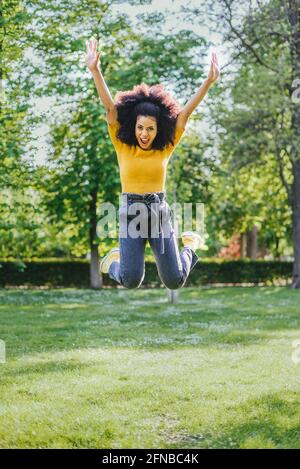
[
  {"x": 191, "y": 105},
  {"x": 91, "y": 59}
]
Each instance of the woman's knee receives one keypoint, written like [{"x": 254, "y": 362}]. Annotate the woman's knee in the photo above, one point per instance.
[
  {"x": 132, "y": 279},
  {"x": 174, "y": 282}
]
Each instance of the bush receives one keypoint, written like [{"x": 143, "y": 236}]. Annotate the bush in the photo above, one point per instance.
[
  {"x": 240, "y": 271},
  {"x": 51, "y": 272},
  {"x": 75, "y": 272}
]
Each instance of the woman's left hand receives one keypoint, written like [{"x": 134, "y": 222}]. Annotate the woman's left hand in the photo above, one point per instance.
[{"x": 214, "y": 71}]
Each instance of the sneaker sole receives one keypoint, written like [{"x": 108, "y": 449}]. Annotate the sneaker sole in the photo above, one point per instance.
[{"x": 105, "y": 258}]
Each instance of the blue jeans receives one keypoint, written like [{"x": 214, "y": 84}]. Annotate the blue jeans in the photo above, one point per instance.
[{"x": 173, "y": 266}]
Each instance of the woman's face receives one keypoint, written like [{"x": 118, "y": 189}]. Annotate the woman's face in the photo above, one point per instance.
[{"x": 145, "y": 131}]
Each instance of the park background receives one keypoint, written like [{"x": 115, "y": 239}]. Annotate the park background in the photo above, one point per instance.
[{"x": 106, "y": 367}]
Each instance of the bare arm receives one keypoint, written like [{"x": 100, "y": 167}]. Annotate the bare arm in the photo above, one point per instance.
[
  {"x": 92, "y": 57},
  {"x": 191, "y": 105}
]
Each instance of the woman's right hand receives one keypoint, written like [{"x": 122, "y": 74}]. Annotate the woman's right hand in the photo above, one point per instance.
[{"x": 92, "y": 56}]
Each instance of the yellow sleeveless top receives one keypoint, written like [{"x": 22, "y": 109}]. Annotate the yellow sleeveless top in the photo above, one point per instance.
[{"x": 141, "y": 170}]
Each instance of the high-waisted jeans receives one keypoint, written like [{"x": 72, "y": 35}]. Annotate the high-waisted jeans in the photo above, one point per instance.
[{"x": 173, "y": 266}]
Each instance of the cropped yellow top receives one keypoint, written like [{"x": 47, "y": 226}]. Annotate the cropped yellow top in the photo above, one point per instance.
[{"x": 141, "y": 170}]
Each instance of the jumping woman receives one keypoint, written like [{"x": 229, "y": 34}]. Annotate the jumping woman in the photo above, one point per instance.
[{"x": 145, "y": 125}]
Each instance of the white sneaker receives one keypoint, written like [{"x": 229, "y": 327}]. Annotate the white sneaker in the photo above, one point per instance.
[
  {"x": 192, "y": 240},
  {"x": 112, "y": 256}
]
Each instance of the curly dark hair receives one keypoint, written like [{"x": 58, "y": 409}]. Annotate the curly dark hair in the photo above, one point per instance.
[{"x": 147, "y": 100}]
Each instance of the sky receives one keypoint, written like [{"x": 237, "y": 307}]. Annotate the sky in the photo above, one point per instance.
[{"x": 164, "y": 6}]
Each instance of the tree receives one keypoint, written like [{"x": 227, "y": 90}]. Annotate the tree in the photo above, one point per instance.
[
  {"x": 279, "y": 57},
  {"x": 17, "y": 228},
  {"x": 14, "y": 92},
  {"x": 267, "y": 35},
  {"x": 249, "y": 201}
]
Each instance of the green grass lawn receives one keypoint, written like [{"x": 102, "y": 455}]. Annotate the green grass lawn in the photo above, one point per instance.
[{"x": 125, "y": 369}]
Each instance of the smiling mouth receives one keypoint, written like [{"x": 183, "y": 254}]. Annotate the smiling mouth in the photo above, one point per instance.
[{"x": 144, "y": 142}]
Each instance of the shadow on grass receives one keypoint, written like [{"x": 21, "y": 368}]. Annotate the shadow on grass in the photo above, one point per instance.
[
  {"x": 44, "y": 321},
  {"x": 42, "y": 368},
  {"x": 267, "y": 422}
]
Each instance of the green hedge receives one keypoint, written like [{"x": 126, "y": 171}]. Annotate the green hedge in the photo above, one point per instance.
[
  {"x": 51, "y": 272},
  {"x": 75, "y": 273},
  {"x": 240, "y": 271}
]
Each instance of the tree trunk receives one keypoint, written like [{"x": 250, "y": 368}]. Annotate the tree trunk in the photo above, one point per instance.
[
  {"x": 243, "y": 245},
  {"x": 251, "y": 237},
  {"x": 277, "y": 255},
  {"x": 95, "y": 276},
  {"x": 248, "y": 242},
  {"x": 294, "y": 20},
  {"x": 253, "y": 253},
  {"x": 1, "y": 71},
  {"x": 296, "y": 224}
]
